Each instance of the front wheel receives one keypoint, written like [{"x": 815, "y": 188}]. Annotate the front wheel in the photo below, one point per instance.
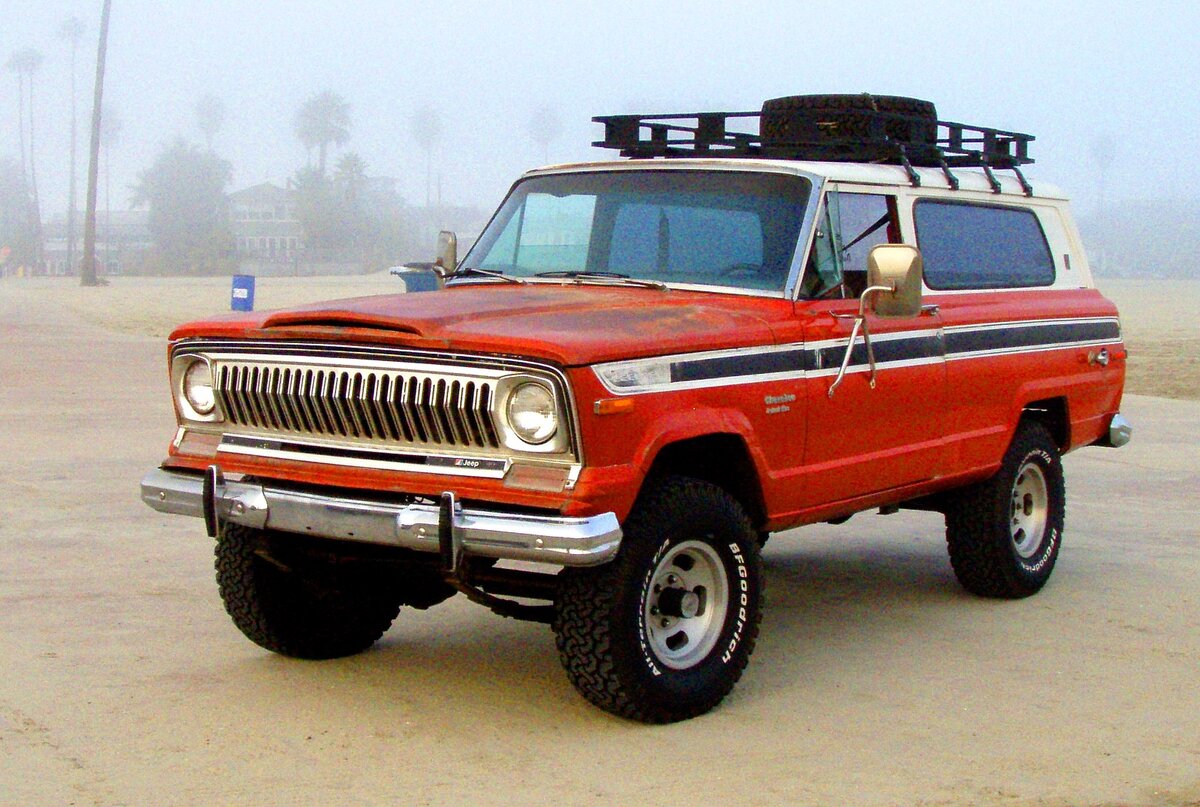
[
  {"x": 1004, "y": 534},
  {"x": 297, "y": 604},
  {"x": 663, "y": 632}
]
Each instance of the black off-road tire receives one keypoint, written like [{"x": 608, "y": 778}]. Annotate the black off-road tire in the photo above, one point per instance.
[
  {"x": 995, "y": 546},
  {"x": 295, "y": 605},
  {"x": 841, "y": 117},
  {"x": 679, "y": 525}
]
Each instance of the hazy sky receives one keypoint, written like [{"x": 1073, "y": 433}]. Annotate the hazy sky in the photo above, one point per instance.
[{"x": 1069, "y": 73}]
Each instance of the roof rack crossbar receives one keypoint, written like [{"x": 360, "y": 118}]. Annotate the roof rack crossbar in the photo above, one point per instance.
[{"x": 946, "y": 145}]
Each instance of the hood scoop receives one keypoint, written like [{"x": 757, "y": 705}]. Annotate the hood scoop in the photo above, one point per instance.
[{"x": 339, "y": 319}]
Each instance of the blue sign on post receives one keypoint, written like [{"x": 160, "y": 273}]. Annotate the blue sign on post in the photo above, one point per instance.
[{"x": 242, "y": 298}]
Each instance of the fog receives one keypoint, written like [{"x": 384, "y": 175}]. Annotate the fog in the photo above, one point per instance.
[{"x": 1076, "y": 75}]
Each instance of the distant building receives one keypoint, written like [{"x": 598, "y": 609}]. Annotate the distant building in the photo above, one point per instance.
[
  {"x": 122, "y": 239},
  {"x": 268, "y": 237}
]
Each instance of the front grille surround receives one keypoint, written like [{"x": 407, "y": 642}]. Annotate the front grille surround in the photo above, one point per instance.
[
  {"x": 359, "y": 404},
  {"x": 430, "y": 406}
]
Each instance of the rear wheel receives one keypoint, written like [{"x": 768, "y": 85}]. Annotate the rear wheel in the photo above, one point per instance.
[
  {"x": 664, "y": 631},
  {"x": 1004, "y": 534},
  {"x": 298, "y": 603}
]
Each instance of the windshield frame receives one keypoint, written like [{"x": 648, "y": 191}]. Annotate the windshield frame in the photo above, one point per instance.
[{"x": 799, "y": 250}]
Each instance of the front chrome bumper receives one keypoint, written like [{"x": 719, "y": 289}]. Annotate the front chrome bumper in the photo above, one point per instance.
[{"x": 507, "y": 536}]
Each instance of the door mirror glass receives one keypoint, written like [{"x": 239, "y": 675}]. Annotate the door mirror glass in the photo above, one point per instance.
[
  {"x": 898, "y": 267},
  {"x": 447, "y": 250}
]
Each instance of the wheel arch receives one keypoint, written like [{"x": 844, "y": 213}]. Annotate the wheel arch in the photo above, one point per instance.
[
  {"x": 724, "y": 459},
  {"x": 1054, "y": 415}
]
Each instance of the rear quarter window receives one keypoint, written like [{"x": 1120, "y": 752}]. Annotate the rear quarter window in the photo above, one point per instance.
[{"x": 976, "y": 246}]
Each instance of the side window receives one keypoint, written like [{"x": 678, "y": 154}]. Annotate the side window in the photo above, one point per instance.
[
  {"x": 852, "y": 224},
  {"x": 974, "y": 246}
]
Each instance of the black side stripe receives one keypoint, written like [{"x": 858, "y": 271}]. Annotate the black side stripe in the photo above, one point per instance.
[
  {"x": 928, "y": 346},
  {"x": 956, "y": 342},
  {"x": 784, "y": 361},
  {"x": 1029, "y": 336}
]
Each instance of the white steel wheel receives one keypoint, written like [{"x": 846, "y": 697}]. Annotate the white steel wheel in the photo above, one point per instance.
[
  {"x": 1004, "y": 533},
  {"x": 1030, "y": 510},
  {"x": 663, "y": 632},
  {"x": 686, "y": 605}
]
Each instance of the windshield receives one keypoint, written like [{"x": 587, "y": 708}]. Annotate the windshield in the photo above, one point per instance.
[{"x": 712, "y": 228}]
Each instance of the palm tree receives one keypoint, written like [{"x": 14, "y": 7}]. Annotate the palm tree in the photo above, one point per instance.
[
  {"x": 71, "y": 30},
  {"x": 544, "y": 128},
  {"x": 321, "y": 120},
  {"x": 210, "y": 117},
  {"x": 15, "y": 65},
  {"x": 110, "y": 135},
  {"x": 427, "y": 131},
  {"x": 350, "y": 176},
  {"x": 87, "y": 274},
  {"x": 25, "y": 64}
]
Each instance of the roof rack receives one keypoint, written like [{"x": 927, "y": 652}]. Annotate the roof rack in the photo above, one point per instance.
[{"x": 810, "y": 136}]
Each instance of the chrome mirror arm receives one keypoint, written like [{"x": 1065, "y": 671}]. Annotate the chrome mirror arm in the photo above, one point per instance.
[{"x": 860, "y": 323}]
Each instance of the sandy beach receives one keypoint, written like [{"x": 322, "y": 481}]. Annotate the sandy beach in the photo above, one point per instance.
[{"x": 877, "y": 680}]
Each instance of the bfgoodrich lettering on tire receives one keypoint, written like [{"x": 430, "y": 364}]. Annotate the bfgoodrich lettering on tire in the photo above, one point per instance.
[
  {"x": 664, "y": 631},
  {"x": 1004, "y": 534}
]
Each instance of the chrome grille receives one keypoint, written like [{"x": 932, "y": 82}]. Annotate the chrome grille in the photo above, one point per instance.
[{"x": 359, "y": 404}]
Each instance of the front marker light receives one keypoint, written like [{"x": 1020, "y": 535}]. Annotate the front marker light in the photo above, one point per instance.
[
  {"x": 531, "y": 413},
  {"x": 198, "y": 388}
]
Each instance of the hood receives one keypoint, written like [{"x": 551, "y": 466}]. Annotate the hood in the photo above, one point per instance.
[{"x": 567, "y": 324}]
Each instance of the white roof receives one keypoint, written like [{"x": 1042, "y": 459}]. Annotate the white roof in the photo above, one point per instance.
[{"x": 970, "y": 179}]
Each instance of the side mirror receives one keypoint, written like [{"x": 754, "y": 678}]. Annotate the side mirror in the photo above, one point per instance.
[
  {"x": 898, "y": 267},
  {"x": 447, "y": 251}
]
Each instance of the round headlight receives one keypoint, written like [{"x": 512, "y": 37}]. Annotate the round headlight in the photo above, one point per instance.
[
  {"x": 198, "y": 388},
  {"x": 531, "y": 413}
]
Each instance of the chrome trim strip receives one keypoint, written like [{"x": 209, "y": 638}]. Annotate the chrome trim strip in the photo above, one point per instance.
[
  {"x": 290, "y": 449},
  {"x": 507, "y": 536}
]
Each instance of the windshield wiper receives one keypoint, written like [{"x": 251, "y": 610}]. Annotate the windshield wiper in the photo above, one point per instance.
[
  {"x": 604, "y": 277},
  {"x": 463, "y": 271},
  {"x": 576, "y": 274}
]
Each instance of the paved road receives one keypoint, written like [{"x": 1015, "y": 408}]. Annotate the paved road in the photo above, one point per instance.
[{"x": 876, "y": 681}]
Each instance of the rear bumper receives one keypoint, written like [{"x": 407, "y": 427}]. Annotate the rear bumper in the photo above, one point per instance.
[
  {"x": 1120, "y": 432},
  {"x": 508, "y": 536}
]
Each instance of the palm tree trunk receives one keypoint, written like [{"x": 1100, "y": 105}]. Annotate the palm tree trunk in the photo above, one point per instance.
[
  {"x": 71, "y": 243},
  {"x": 87, "y": 273},
  {"x": 21, "y": 123},
  {"x": 39, "y": 251}
]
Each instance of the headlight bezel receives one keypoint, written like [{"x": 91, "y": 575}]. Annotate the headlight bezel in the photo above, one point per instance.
[
  {"x": 511, "y": 437},
  {"x": 522, "y": 401},
  {"x": 199, "y": 393},
  {"x": 182, "y": 368}
]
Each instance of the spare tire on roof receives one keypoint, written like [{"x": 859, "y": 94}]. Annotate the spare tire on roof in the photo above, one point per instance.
[{"x": 809, "y": 120}]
